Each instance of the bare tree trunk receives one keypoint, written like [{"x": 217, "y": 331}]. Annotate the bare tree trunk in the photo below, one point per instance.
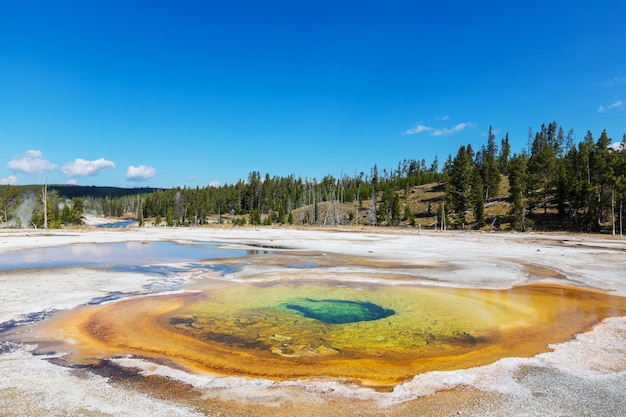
[
  {"x": 358, "y": 203},
  {"x": 312, "y": 219},
  {"x": 373, "y": 213},
  {"x": 613, "y": 209},
  {"x": 337, "y": 201},
  {"x": 443, "y": 215},
  {"x": 621, "y": 229},
  {"x": 319, "y": 208},
  {"x": 45, "y": 205},
  {"x": 545, "y": 198}
]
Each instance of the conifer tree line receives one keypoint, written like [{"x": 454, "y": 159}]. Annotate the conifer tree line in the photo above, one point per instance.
[
  {"x": 290, "y": 200},
  {"x": 554, "y": 183}
]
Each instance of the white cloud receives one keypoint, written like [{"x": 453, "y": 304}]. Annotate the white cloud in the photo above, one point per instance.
[
  {"x": 421, "y": 128},
  {"x": 10, "y": 180},
  {"x": 71, "y": 182},
  {"x": 614, "y": 81},
  {"x": 602, "y": 108},
  {"x": 616, "y": 104},
  {"x": 140, "y": 173},
  {"x": 215, "y": 184},
  {"x": 32, "y": 162},
  {"x": 82, "y": 168},
  {"x": 454, "y": 129},
  {"x": 418, "y": 129}
]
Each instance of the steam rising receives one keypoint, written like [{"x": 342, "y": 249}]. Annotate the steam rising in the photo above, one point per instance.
[{"x": 24, "y": 211}]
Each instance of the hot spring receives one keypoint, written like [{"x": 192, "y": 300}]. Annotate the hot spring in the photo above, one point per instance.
[{"x": 373, "y": 335}]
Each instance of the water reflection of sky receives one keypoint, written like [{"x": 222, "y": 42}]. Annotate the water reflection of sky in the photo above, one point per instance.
[
  {"x": 126, "y": 222},
  {"x": 167, "y": 270},
  {"x": 109, "y": 255},
  {"x": 303, "y": 265}
]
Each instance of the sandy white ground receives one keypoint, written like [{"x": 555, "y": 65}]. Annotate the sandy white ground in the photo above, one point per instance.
[{"x": 586, "y": 376}]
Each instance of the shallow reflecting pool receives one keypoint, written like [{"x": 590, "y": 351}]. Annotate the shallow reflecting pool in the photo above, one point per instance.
[
  {"x": 374, "y": 335},
  {"x": 114, "y": 254}
]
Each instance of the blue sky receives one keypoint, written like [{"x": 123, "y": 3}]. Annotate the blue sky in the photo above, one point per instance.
[{"x": 203, "y": 92}]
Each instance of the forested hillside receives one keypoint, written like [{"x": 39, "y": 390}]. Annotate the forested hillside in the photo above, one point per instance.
[{"x": 553, "y": 184}]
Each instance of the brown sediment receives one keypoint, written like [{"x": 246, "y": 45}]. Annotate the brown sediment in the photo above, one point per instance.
[
  {"x": 295, "y": 402},
  {"x": 241, "y": 329},
  {"x": 334, "y": 260},
  {"x": 540, "y": 271}
]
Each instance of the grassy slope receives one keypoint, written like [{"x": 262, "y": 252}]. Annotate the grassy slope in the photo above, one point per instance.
[{"x": 425, "y": 202}]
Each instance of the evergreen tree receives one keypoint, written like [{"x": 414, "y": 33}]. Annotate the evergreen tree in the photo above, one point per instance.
[
  {"x": 434, "y": 167},
  {"x": 560, "y": 143},
  {"x": 375, "y": 175},
  {"x": 10, "y": 199},
  {"x": 541, "y": 165},
  {"x": 66, "y": 214},
  {"x": 407, "y": 211},
  {"x": 562, "y": 187},
  {"x": 569, "y": 141},
  {"x": 447, "y": 167},
  {"x": 53, "y": 213},
  {"x": 552, "y": 137},
  {"x": 503, "y": 159},
  {"x": 169, "y": 219},
  {"x": 478, "y": 200},
  {"x": 255, "y": 217},
  {"x": 77, "y": 211},
  {"x": 408, "y": 215},
  {"x": 395, "y": 210},
  {"x": 603, "y": 179},
  {"x": 489, "y": 167},
  {"x": 518, "y": 180},
  {"x": 459, "y": 184},
  {"x": 584, "y": 187}
]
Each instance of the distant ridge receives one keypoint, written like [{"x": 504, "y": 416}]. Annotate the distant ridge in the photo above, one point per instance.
[{"x": 72, "y": 191}]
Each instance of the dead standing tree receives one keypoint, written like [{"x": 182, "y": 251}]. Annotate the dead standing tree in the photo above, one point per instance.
[{"x": 44, "y": 199}]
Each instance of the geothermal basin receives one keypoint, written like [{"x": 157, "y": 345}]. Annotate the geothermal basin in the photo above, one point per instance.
[{"x": 271, "y": 321}]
